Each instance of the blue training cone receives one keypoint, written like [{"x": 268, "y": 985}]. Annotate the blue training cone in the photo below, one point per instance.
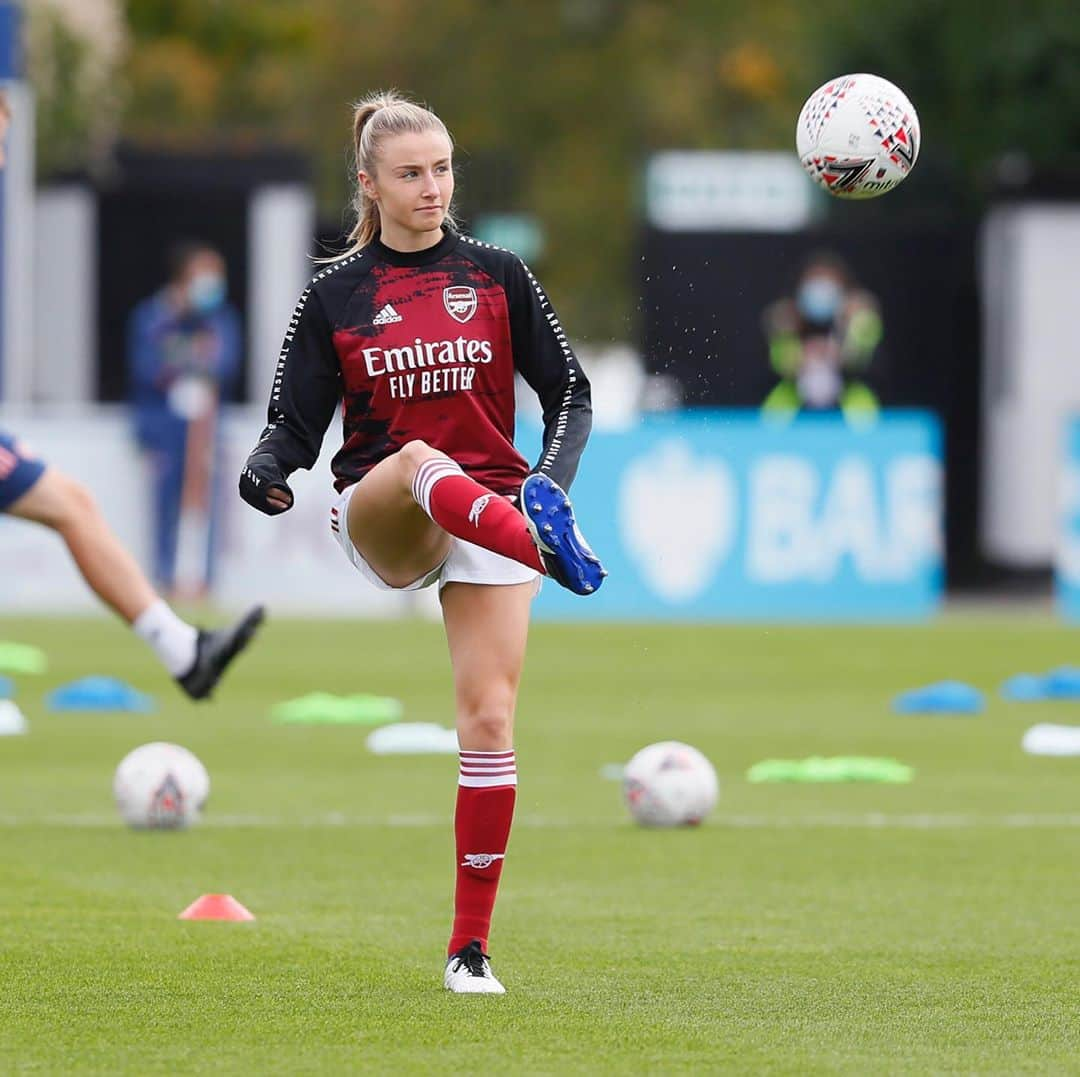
[
  {"x": 945, "y": 697},
  {"x": 99, "y": 694}
]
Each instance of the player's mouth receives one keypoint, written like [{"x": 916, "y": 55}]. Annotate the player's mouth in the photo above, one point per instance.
[{"x": 430, "y": 209}]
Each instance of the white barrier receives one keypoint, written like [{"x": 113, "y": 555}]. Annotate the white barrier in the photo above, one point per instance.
[{"x": 291, "y": 562}]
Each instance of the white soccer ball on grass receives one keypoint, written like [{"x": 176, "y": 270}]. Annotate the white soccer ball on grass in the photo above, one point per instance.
[
  {"x": 858, "y": 136},
  {"x": 160, "y": 786},
  {"x": 670, "y": 784}
]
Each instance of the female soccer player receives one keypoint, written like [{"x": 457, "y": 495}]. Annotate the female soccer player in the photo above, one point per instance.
[
  {"x": 420, "y": 330},
  {"x": 31, "y": 491}
]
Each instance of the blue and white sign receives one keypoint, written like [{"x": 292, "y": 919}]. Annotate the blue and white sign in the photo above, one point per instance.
[
  {"x": 1067, "y": 567},
  {"x": 721, "y": 515}
]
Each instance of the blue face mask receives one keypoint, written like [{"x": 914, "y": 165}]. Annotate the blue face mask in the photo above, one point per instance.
[
  {"x": 206, "y": 292},
  {"x": 819, "y": 299}
]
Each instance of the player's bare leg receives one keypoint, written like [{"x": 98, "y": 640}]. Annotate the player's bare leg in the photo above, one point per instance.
[
  {"x": 196, "y": 659},
  {"x": 388, "y": 528},
  {"x": 450, "y": 499},
  {"x": 544, "y": 536},
  {"x": 69, "y": 509},
  {"x": 486, "y": 630}
]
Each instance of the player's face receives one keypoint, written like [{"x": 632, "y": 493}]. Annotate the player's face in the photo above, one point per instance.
[{"x": 413, "y": 185}]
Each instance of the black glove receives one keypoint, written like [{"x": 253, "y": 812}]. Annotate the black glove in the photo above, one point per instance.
[{"x": 261, "y": 475}]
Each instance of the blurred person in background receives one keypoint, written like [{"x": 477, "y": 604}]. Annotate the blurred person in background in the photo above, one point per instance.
[
  {"x": 184, "y": 359},
  {"x": 30, "y": 490},
  {"x": 421, "y": 331},
  {"x": 822, "y": 341}
]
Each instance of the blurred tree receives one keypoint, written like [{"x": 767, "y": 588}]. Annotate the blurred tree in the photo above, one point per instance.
[
  {"x": 219, "y": 70},
  {"x": 988, "y": 79},
  {"x": 555, "y": 106},
  {"x": 74, "y": 52}
]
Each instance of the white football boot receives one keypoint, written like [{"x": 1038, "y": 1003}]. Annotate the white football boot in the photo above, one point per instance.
[{"x": 468, "y": 972}]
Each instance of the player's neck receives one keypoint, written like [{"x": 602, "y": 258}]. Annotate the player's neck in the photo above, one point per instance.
[{"x": 406, "y": 240}]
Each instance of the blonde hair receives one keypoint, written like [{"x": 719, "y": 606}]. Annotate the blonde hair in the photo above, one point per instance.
[
  {"x": 376, "y": 117},
  {"x": 5, "y": 107}
]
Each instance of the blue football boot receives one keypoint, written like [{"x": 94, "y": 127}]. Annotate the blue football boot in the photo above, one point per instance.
[{"x": 563, "y": 549}]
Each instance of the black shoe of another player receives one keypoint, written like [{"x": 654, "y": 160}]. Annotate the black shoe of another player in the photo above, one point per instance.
[{"x": 215, "y": 650}]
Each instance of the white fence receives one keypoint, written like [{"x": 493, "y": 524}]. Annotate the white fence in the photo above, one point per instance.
[{"x": 290, "y": 562}]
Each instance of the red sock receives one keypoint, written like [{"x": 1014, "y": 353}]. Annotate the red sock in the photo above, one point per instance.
[
  {"x": 472, "y": 512},
  {"x": 487, "y": 787}
]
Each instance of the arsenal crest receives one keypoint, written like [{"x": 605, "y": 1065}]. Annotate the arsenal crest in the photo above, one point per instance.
[{"x": 460, "y": 302}]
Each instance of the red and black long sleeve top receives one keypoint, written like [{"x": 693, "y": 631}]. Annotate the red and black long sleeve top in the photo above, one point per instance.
[{"x": 425, "y": 345}]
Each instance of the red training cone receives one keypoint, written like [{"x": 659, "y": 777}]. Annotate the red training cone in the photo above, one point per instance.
[{"x": 216, "y": 907}]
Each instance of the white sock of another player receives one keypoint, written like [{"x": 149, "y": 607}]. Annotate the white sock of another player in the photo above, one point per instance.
[{"x": 172, "y": 638}]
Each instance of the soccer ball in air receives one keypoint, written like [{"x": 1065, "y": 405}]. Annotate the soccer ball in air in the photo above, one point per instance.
[
  {"x": 669, "y": 784},
  {"x": 858, "y": 136},
  {"x": 160, "y": 787}
]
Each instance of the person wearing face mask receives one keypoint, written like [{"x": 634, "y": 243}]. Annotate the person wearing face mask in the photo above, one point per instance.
[
  {"x": 821, "y": 343},
  {"x": 183, "y": 359}
]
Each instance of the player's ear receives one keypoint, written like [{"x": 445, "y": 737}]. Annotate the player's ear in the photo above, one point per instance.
[{"x": 367, "y": 186}]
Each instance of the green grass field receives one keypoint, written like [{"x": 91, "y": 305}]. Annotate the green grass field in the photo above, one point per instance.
[{"x": 926, "y": 928}]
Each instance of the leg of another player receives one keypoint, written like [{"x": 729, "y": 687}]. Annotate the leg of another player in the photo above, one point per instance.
[
  {"x": 69, "y": 509},
  {"x": 486, "y": 630},
  {"x": 196, "y": 659}
]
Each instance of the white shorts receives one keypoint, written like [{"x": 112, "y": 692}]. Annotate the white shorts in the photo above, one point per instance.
[{"x": 465, "y": 563}]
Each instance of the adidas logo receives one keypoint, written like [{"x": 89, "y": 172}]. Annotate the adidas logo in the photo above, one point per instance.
[{"x": 386, "y": 316}]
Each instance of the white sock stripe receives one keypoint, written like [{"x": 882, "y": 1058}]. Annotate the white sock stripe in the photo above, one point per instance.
[
  {"x": 484, "y": 770},
  {"x": 416, "y": 486},
  {"x": 427, "y": 475},
  {"x": 437, "y": 470},
  {"x": 436, "y": 463},
  {"x": 487, "y": 781},
  {"x": 422, "y": 493},
  {"x": 421, "y": 477}
]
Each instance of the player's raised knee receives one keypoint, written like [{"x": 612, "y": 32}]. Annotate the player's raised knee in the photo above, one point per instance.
[{"x": 414, "y": 453}]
